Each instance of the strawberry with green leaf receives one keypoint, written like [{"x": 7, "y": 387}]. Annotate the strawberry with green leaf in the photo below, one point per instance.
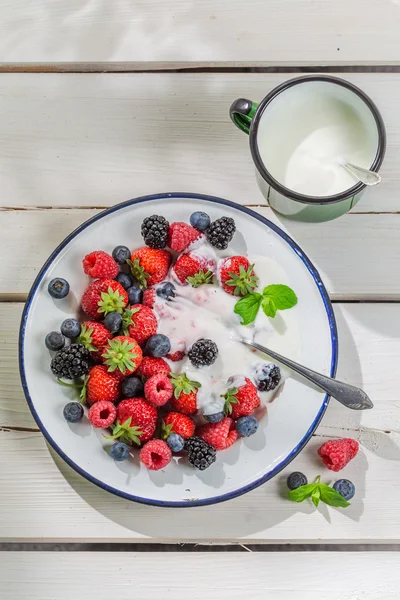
[
  {"x": 240, "y": 401},
  {"x": 102, "y": 297},
  {"x": 194, "y": 269},
  {"x": 175, "y": 422},
  {"x": 94, "y": 336},
  {"x": 149, "y": 265},
  {"x": 125, "y": 432},
  {"x": 140, "y": 322},
  {"x": 137, "y": 419},
  {"x": 237, "y": 276},
  {"x": 184, "y": 399},
  {"x": 122, "y": 355}
]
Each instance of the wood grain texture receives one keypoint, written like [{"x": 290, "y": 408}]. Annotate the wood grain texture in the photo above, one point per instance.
[
  {"x": 356, "y": 254},
  {"x": 62, "y": 576},
  {"x": 97, "y": 139},
  {"x": 275, "y": 33},
  {"x": 43, "y": 499}
]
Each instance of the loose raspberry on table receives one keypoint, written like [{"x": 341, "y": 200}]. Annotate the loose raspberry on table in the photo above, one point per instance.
[
  {"x": 336, "y": 454},
  {"x": 99, "y": 264},
  {"x": 102, "y": 414},
  {"x": 155, "y": 455},
  {"x": 158, "y": 390}
]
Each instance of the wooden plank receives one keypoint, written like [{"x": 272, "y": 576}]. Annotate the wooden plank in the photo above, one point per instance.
[
  {"x": 61, "y": 576},
  {"x": 43, "y": 499},
  {"x": 96, "y": 139},
  {"x": 356, "y": 255},
  {"x": 294, "y": 32}
]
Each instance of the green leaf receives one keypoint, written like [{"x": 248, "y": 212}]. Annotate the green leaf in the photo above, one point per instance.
[
  {"x": 302, "y": 492},
  {"x": 181, "y": 383},
  {"x": 230, "y": 398},
  {"x": 138, "y": 272},
  {"x": 268, "y": 306},
  {"x": 332, "y": 497},
  {"x": 247, "y": 307},
  {"x": 281, "y": 295},
  {"x": 200, "y": 278},
  {"x": 316, "y": 496},
  {"x": 244, "y": 283}
]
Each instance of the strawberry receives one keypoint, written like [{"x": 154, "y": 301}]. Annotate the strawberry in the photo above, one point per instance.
[
  {"x": 122, "y": 355},
  {"x": 136, "y": 421},
  {"x": 194, "y": 269},
  {"x": 149, "y": 298},
  {"x": 181, "y": 235},
  {"x": 175, "y": 422},
  {"x": 149, "y": 265},
  {"x": 99, "y": 264},
  {"x": 102, "y": 297},
  {"x": 237, "y": 276},
  {"x": 220, "y": 435},
  {"x": 184, "y": 399},
  {"x": 140, "y": 322},
  {"x": 241, "y": 401},
  {"x": 152, "y": 366},
  {"x": 94, "y": 336},
  {"x": 100, "y": 385}
]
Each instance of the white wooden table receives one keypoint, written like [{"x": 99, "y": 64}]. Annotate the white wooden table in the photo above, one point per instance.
[{"x": 103, "y": 101}]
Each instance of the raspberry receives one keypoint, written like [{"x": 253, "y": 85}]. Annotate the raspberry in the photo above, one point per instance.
[
  {"x": 155, "y": 455},
  {"x": 152, "y": 366},
  {"x": 99, "y": 264},
  {"x": 176, "y": 356},
  {"x": 102, "y": 414},
  {"x": 149, "y": 298},
  {"x": 337, "y": 453},
  {"x": 181, "y": 235},
  {"x": 158, "y": 390},
  {"x": 220, "y": 435}
]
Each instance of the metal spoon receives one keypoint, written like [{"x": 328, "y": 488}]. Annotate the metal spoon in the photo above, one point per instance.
[
  {"x": 364, "y": 175},
  {"x": 346, "y": 394}
]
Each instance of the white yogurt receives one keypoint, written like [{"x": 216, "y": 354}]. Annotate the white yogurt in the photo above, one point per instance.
[
  {"x": 207, "y": 312},
  {"x": 308, "y": 131}
]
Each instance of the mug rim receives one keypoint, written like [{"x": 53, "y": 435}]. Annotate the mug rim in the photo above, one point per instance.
[{"x": 304, "y": 198}]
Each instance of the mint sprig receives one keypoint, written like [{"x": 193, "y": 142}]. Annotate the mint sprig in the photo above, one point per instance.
[
  {"x": 318, "y": 491},
  {"x": 273, "y": 298}
]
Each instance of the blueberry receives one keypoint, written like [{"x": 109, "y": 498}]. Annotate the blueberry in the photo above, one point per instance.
[
  {"x": 166, "y": 290},
  {"x": 73, "y": 412},
  {"x": 215, "y": 418},
  {"x": 157, "y": 345},
  {"x": 54, "y": 341},
  {"x": 135, "y": 294},
  {"x": 345, "y": 488},
  {"x": 246, "y": 426},
  {"x": 268, "y": 377},
  {"x": 200, "y": 220},
  {"x": 58, "y": 288},
  {"x": 119, "y": 451},
  {"x": 175, "y": 442},
  {"x": 296, "y": 480},
  {"x": 113, "y": 322},
  {"x": 121, "y": 254},
  {"x": 125, "y": 280},
  {"x": 71, "y": 328},
  {"x": 132, "y": 387}
]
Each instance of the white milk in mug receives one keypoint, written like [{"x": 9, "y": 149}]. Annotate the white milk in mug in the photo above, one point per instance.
[{"x": 300, "y": 136}]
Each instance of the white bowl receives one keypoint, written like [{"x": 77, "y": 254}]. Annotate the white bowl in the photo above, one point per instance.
[{"x": 290, "y": 420}]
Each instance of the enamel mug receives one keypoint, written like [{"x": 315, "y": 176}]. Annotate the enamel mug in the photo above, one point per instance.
[{"x": 300, "y": 136}]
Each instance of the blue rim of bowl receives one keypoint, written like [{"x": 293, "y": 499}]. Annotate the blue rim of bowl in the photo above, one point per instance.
[{"x": 329, "y": 311}]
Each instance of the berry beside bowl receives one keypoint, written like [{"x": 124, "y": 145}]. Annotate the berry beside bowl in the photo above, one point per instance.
[{"x": 130, "y": 356}]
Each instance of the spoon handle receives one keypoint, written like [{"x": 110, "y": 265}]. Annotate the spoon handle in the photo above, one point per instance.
[
  {"x": 364, "y": 175},
  {"x": 346, "y": 394}
]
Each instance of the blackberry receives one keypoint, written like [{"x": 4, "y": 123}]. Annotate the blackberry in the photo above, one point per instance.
[
  {"x": 155, "y": 231},
  {"x": 221, "y": 232},
  {"x": 71, "y": 362},
  {"x": 203, "y": 353},
  {"x": 268, "y": 377},
  {"x": 200, "y": 454}
]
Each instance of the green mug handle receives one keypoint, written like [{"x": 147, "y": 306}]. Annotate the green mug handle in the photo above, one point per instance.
[{"x": 242, "y": 112}]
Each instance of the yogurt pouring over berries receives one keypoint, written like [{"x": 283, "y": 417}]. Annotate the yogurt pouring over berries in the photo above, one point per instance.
[{"x": 163, "y": 334}]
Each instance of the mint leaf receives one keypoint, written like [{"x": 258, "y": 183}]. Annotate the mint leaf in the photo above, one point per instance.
[
  {"x": 247, "y": 307},
  {"x": 278, "y": 297},
  {"x": 316, "y": 496},
  {"x": 332, "y": 497},
  {"x": 302, "y": 492},
  {"x": 268, "y": 306}
]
